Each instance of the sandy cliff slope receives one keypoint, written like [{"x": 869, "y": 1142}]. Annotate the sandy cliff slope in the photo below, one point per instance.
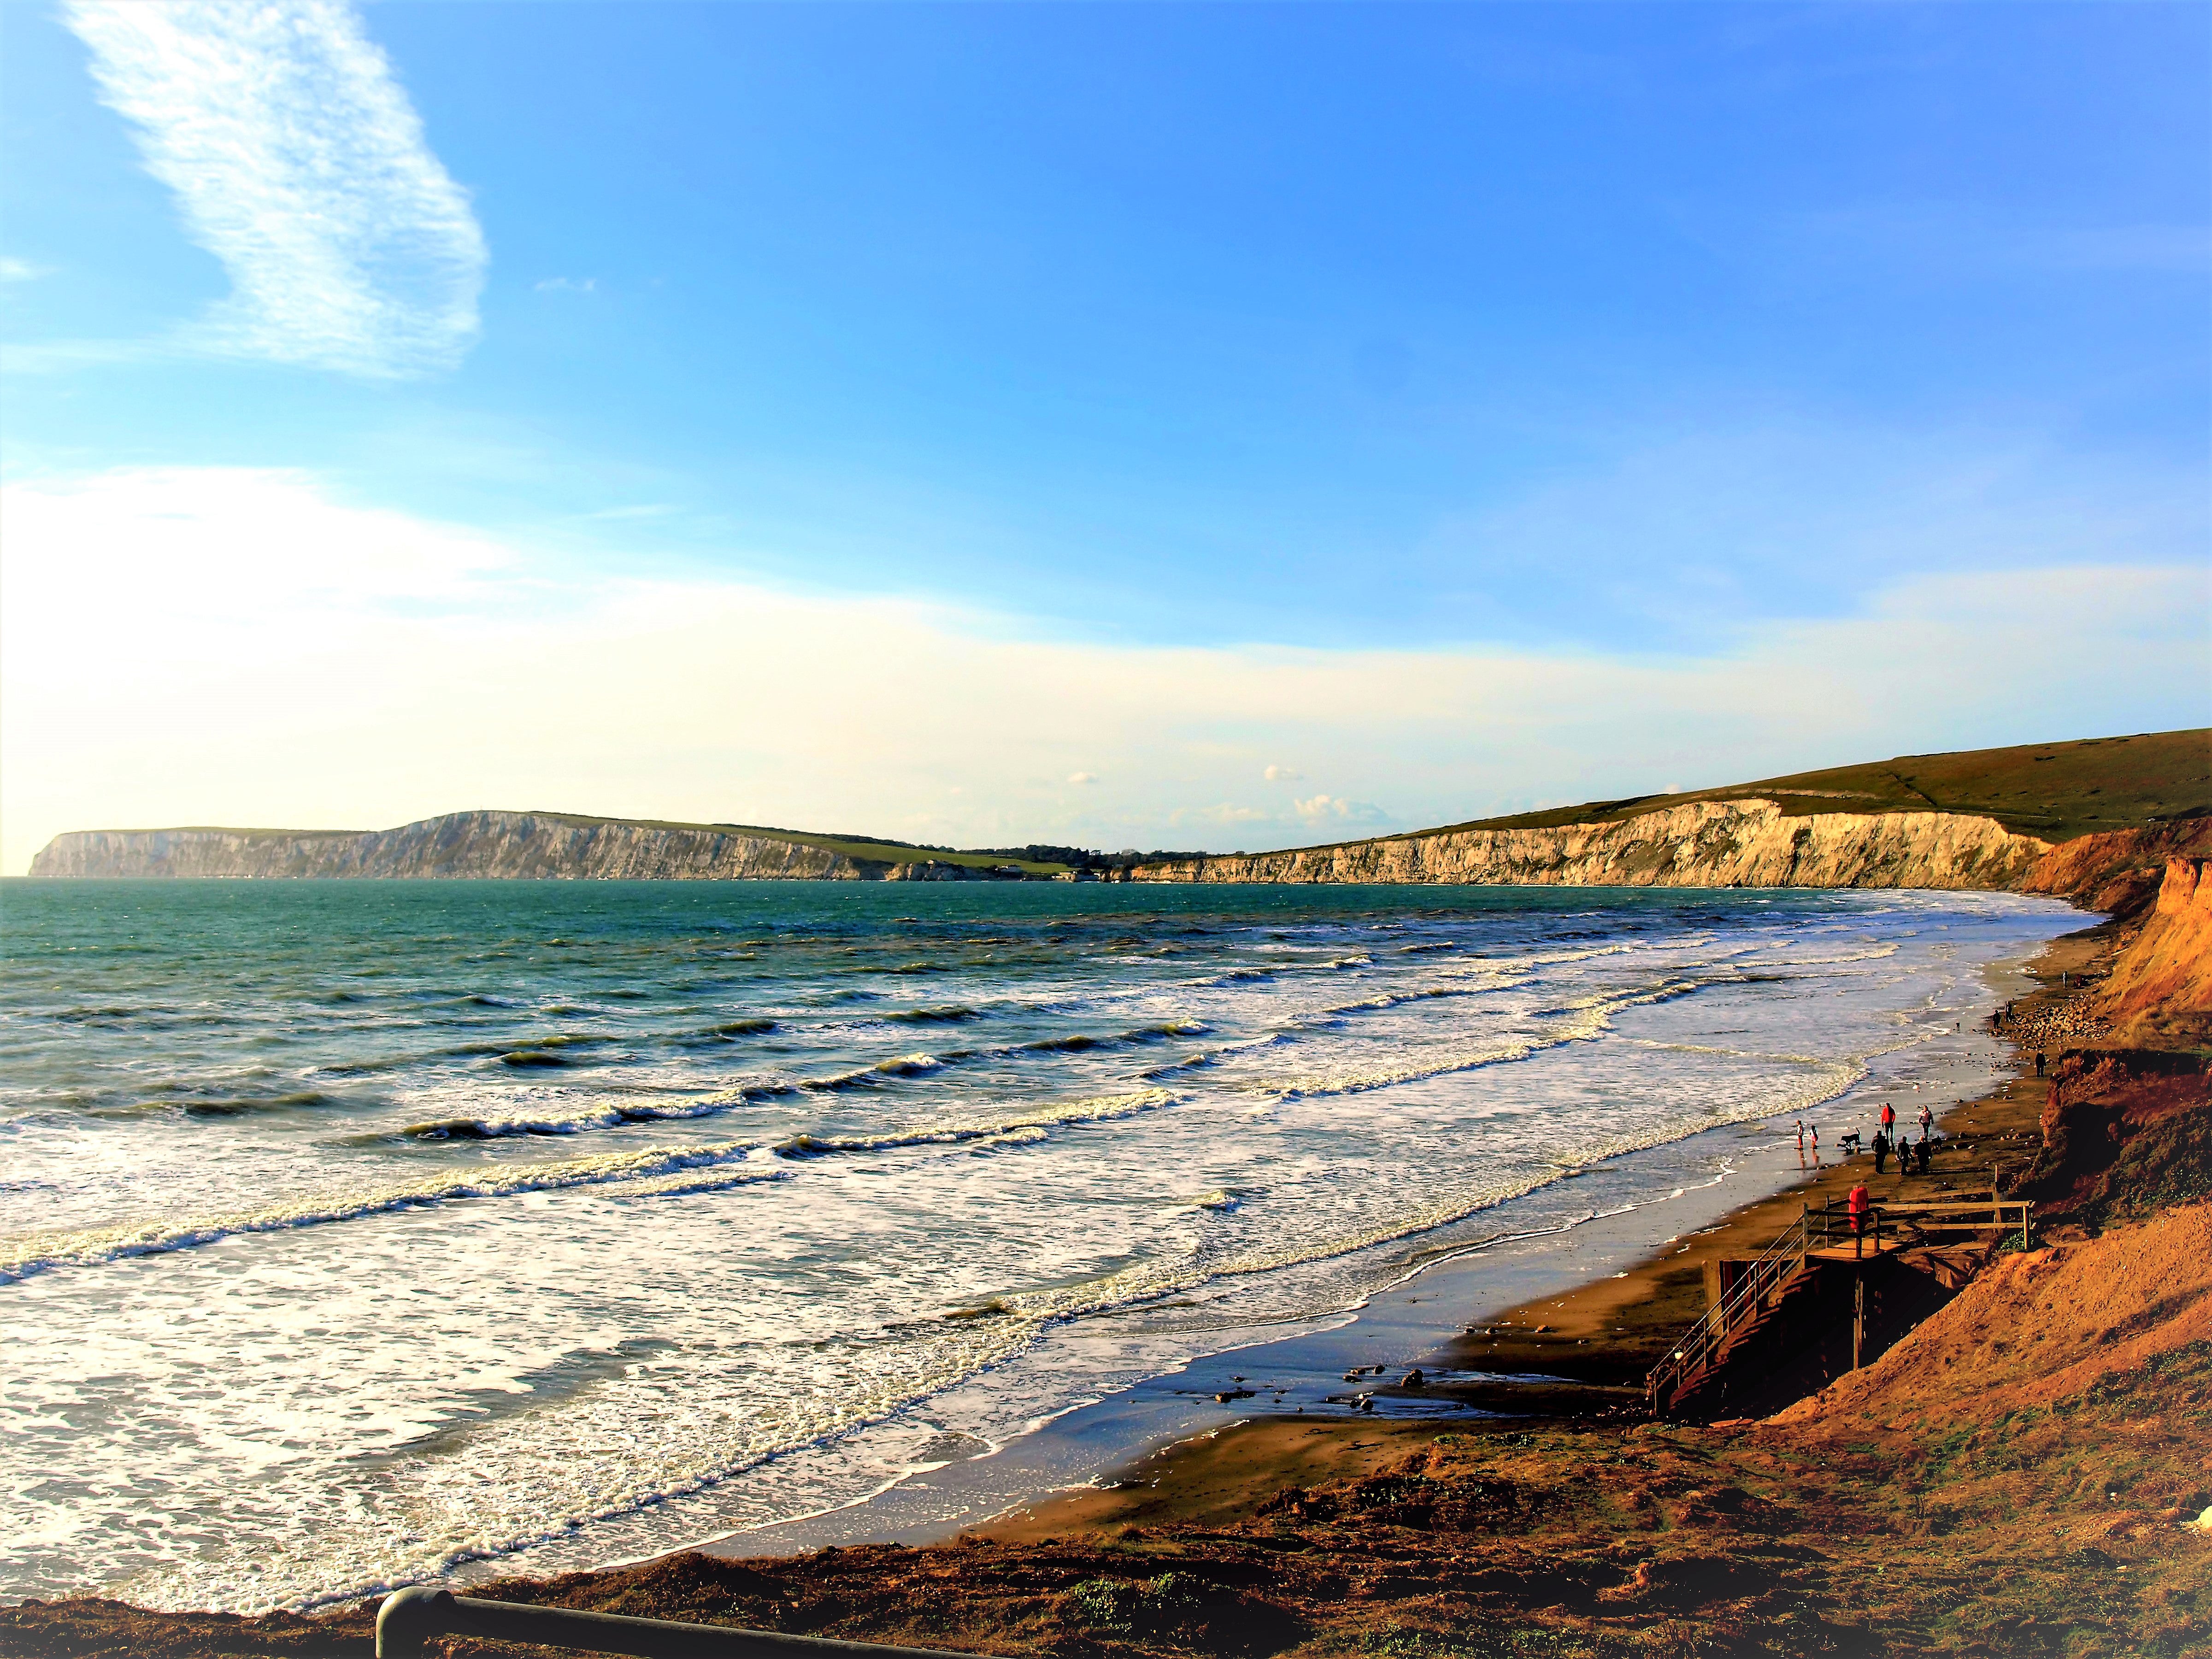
[
  {"x": 2161, "y": 985},
  {"x": 1733, "y": 844},
  {"x": 2118, "y": 871},
  {"x": 2038, "y": 1328}
]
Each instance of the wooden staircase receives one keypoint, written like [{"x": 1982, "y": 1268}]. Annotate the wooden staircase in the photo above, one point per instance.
[{"x": 1824, "y": 1277}]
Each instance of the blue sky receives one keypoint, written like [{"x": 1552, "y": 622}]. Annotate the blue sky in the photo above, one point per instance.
[{"x": 1397, "y": 361}]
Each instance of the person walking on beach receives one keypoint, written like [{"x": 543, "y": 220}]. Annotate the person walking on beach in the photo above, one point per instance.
[
  {"x": 1888, "y": 1117},
  {"x": 1920, "y": 1158},
  {"x": 1927, "y": 1118},
  {"x": 1881, "y": 1152},
  {"x": 2039, "y": 1062}
]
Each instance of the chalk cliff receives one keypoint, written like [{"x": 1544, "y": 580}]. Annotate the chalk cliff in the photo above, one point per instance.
[
  {"x": 1747, "y": 842},
  {"x": 1732, "y": 843},
  {"x": 480, "y": 845}
]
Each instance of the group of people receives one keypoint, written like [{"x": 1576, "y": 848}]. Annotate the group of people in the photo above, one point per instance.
[{"x": 1912, "y": 1156}]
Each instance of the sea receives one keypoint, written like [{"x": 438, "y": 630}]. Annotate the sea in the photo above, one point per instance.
[{"x": 361, "y": 1234}]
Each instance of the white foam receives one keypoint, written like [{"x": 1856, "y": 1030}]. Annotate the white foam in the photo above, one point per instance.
[
  {"x": 1105, "y": 1109},
  {"x": 656, "y": 1170},
  {"x": 511, "y": 1365}
]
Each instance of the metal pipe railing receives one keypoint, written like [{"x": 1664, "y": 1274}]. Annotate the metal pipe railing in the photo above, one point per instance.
[
  {"x": 1696, "y": 1345},
  {"x": 411, "y": 1618}
]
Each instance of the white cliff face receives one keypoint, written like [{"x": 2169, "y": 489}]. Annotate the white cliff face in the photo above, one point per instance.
[
  {"x": 1737, "y": 844},
  {"x": 1740, "y": 843},
  {"x": 461, "y": 844}
]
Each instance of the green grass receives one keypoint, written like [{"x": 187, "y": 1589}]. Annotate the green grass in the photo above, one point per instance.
[
  {"x": 2056, "y": 791},
  {"x": 2053, "y": 790}
]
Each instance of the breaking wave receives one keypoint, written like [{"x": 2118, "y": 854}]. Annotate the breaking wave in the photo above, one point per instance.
[{"x": 657, "y": 1170}]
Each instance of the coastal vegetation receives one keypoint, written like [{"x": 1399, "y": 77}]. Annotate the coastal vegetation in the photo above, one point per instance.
[
  {"x": 1979, "y": 818},
  {"x": 2055, "y": 791}
]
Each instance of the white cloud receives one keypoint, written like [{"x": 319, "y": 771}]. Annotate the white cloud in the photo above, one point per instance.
[
  {"x": 1325, "y": 806},
  {"x": 1283, "y": 774},
  {"x": 1682, "y": 538},
  {"x": 298, "y": 162},
  {"x": 211, "y": 646},
  {"x": 1082, "y": 777},
  {"x": 568, "y": 285},
  {"x": 21, "y": 270}
]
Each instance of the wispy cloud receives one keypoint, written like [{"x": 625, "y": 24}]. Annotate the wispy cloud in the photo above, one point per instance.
[
  {"x": 1954, "y": 241},
  {"x": 298, "y": 162},
  {"x": 641, "y": 510},
  {"x": 22, "y": 270},
  {"x": 568, "y": 285},
  {"x": 1282, "y": 775},
  {"x": 1082, "y": 777}
]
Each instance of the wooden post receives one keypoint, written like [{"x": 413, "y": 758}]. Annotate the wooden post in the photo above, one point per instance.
[{"x": 1858, "y": 1315}]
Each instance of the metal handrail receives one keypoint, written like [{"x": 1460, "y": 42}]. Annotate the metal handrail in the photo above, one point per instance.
[
  {"x": 1691, "y": 1350},
  {"x": 1781, "y": 1259},
  {"x": 409, "y": 1618}
]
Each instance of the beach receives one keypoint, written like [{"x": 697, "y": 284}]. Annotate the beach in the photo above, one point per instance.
[
  {"x": 1955, "y": 1497},
  {"x": 1580, "y": 1356},
  {"x": 788, "y": 1214}
]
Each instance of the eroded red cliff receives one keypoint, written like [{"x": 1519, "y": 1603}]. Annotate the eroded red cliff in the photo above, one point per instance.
[{"x": 2161, "y": 988}]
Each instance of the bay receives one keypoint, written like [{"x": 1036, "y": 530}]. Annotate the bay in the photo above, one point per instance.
[{"x": 357, "y": 1233}]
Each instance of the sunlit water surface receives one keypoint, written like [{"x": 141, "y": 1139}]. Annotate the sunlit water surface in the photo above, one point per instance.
[{"x": 352, "y": 1233}]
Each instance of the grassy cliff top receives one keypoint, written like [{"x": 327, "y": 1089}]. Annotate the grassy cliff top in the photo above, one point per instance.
[
  {"x": 2056, "y": 791},
  {"x": 2053, "y": 790}
]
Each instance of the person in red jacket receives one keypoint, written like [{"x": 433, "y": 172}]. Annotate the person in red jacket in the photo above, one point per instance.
[
  {"x": 1888, "y": 1118},
  {"x": 1861, "y": 1203}
]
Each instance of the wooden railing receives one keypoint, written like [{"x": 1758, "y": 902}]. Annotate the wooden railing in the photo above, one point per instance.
[
  {"x": 1969, "y": 1214},
  {"x": 1834, "y": 1224},
  {"x": 1825, "y": 1228},
  {"x": 411, "y": 1618}
]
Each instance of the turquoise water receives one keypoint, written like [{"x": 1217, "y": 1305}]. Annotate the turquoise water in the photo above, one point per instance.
[{"x": 353, "y": 1234}]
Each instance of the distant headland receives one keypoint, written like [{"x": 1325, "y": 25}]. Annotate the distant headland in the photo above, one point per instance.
[{"x": 2091, "y": 819}]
